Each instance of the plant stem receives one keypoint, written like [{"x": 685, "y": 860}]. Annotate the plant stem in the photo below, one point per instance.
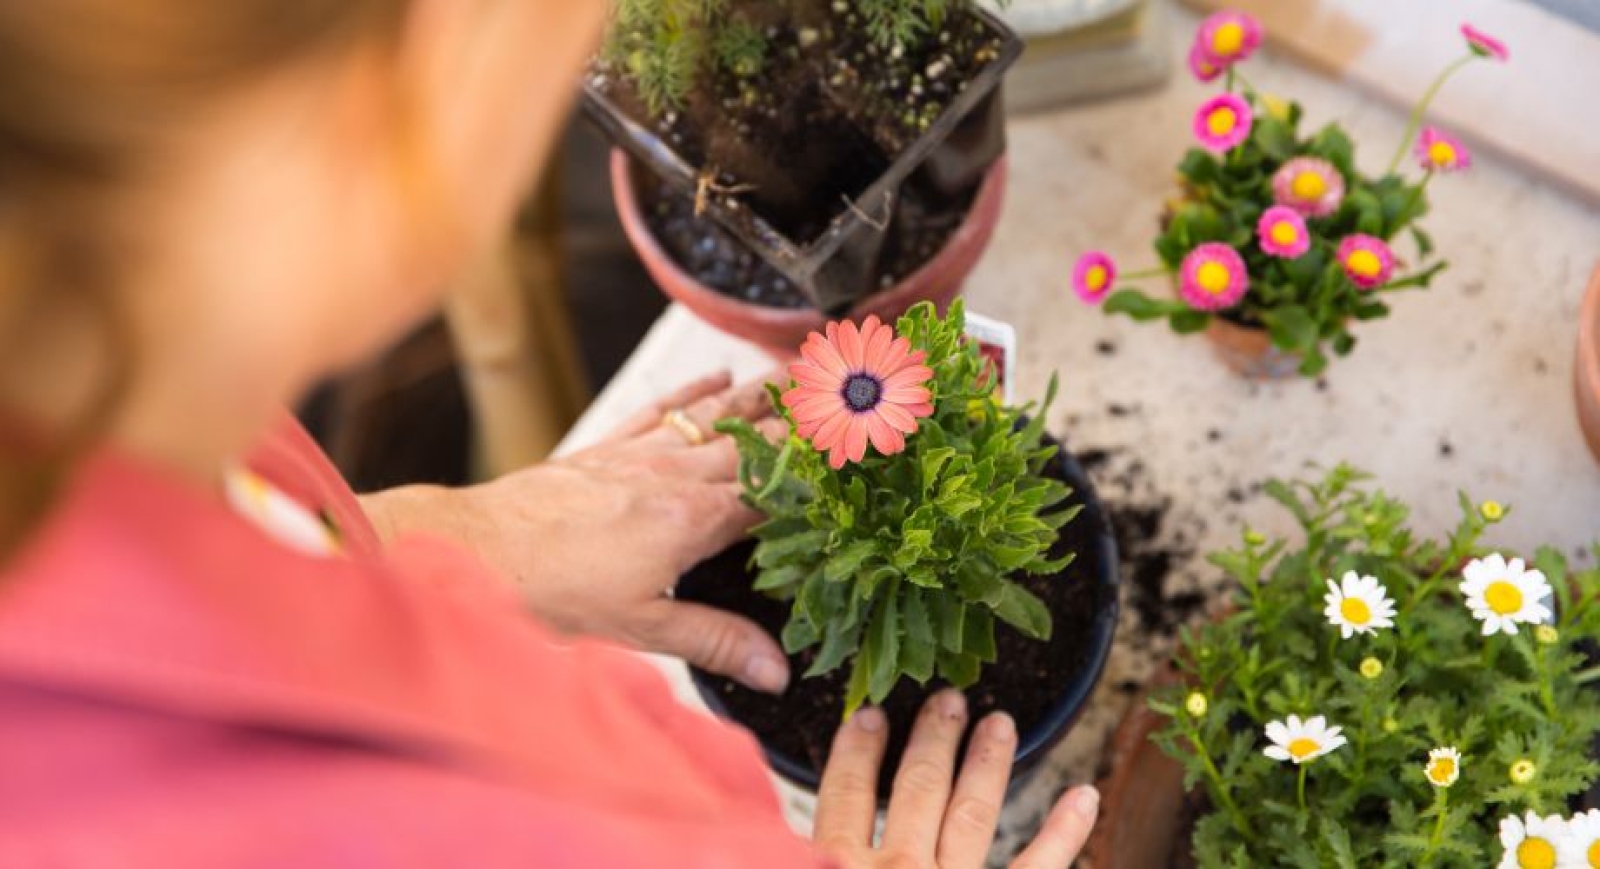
[
  {"x": 1244, "y": 82},
  {"x": 1152, "y": 272},
  {"x": 1441, "y": 801},
  {"x": 1584, "y": 677},
  {"x": 1546, "y": 689},
  {"x": 1300, "y": 791},
  {"x": 1229, "y": 84},
  {"x": 1416, "y": 193},
  {"x": 1422, "y": 106},
  {"x": 1223, "y": 795}
]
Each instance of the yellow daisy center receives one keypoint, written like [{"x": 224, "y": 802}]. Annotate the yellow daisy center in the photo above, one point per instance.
[
  {"x": 1213, "y": 278},
  {"x": 1308, "y": 185},
  {"x": 1302, "y": 748},
  {"x": 1442, "y": 154},
  {"x": 1503, "y": 597},
  {"x": 1355, "y": 611},
  {"x": 1364, "y": 263},
  {"x": 1228, "y": 39},
  {"x": 1594, "y": 854},
  {"x": 1440, "y": 770},
  {"x": 1283, "y": 232},
  {"x": 1536, "y": 853},
  {"x": 1222, "y": 121},
  {"x": 1095, "y": 278}
]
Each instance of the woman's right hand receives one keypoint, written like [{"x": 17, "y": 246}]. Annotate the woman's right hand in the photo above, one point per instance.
[{"x": 936, "y": 818}]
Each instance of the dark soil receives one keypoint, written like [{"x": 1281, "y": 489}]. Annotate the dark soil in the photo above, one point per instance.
[{"x": 801, "y": 722}]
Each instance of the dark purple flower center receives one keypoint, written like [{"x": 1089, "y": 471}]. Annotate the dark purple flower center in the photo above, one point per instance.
[{"x": 862, "y": 392}]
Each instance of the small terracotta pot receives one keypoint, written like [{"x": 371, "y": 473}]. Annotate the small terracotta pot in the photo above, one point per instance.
[
  {"x": 1249, "y": 351},
  {"x": 1587, "y": 371},
  {"x": 782, "y": 330},
  {"x": 1142, "y": 815}
]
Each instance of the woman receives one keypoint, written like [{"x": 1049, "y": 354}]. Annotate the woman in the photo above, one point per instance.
[{"x": 213, "y": 654}]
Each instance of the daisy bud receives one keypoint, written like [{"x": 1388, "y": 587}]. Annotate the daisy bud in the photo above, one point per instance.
[
  {"x": 1390, "y": 725},
  {"x": 1195, "y": 704},
  {"x": 1492, "y": 511},
  {"x": 1546, "y": 635},
  {"x": 1523, "y": 771},
  {"x": 1254, "y": 538},
  {"x": 1371, "y": 668}
]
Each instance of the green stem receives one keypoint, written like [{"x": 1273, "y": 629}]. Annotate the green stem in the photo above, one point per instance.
[
  {"x": 1152, "y": 272},
  {"x": 1244, "y": 82},
  {"x": 1442, "y": 802},
  {"x": 1415, "y": 122},
  {"x": 1228, "y": 85},
  {"x": 1584, "y": 677},
  {"x": 1217, "y": 784},
  {"x": 1300, "y": 791},
  {"x": 1416, "y": 193}
]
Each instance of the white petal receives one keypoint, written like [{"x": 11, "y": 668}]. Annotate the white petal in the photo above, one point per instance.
[
  {"x": 1295, "y": 725},
  {"x": 1277, "y": 732},
  {"x": 1491, "y": 626},
  {"x": 1317, "y": 724},
  {"x": 1509, "y": 626},
  {"x": 1275, "y": 752},
  {"x": 1516, "y": 566}
]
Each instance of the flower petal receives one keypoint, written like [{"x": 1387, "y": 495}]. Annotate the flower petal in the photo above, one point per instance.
[
  {"x": 909, "y": 376},
  {"x": 831, "y": 432},
  {"x": 908, "y": 395},
  {"x": 877, "y": 339},
  {"x": 898, "y": 417},
  {"x": 886, "y": 439},
  {"x": 855, "y": 437},
  {"x": 815, "y": 376},
  {"x": 849, "y": 342},
  {"x": 821, "y": 352}
]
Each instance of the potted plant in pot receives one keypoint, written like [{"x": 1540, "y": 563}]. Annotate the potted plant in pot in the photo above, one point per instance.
[
  {"x": 917, "y": 530},
  {"x": 782, "y": 162},
  {"x": 1376, "y": 698},
  {"x": 1277, "y": 243}
]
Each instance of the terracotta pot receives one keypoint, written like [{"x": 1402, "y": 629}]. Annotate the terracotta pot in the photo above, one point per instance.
[
  {"x": 781, "y": 330},
  {"x": 1587, "y": 371},
  {"x": 1249, "y": 351},
  {"x": 1142, "y": 814}
]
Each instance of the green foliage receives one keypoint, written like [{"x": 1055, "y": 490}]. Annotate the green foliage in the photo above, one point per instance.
[
  {"x": 1497, "y": 699},
  {"x": 899, "y": 565}
]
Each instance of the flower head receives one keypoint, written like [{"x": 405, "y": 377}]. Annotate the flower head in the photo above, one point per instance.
[
  {"x": 1309, "y": 185},
  {"x": 1196, "y": 705},
  {"x": 858, "y": 385},
  {"x": 1367, "y": 261},
  {"x": 1228, "y": 37},
  {"x": 1439, "y": 151},
  {"x": 1581, "y": 846},
  {"x": 1546, "y": 635},
  {"x": 1531, "y": 842},
  {"x": 1503, "y": 595},
  {"x": 1200, "y": 64},
  {"x": 1282, "y": 232},
  {"x": 1484, "y": 45},
  {"x": 1522, "y": 771},
  {"x": 1358, "y": 605},
  {"x": 1302, "y": 741},
  {"x": 1093, "y": 276},
  {"x": 1223, "y": 122},
  {"x": 1213, "y": 277},
  {"x": 1492, "y": 511},
  {"x": 1371, "y": 668},
  {"x": 1444, "y": 767}
]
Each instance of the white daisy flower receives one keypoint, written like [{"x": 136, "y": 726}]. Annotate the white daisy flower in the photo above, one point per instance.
[
  {"x": 1532, "y": 842},
  {"x": 1581, "y": 847},
  {"x": 1302, "y": 741},
  {"x": 1444, "y": 767},
  {"x": 1504, "y": 595},
  {"x": 1358, "y": 605}
]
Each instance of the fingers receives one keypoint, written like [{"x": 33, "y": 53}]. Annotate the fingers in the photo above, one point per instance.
[
  {"x": 1064, "y": 833},
  {"x": 847, "y": 798},
  {"x": 717, "y": 460},
  {"x": 969, "y": 822},
  {"x": 715, "y": 640},
  {"x": 650, "y": 417},
  {"x": 922, "y": 785}
]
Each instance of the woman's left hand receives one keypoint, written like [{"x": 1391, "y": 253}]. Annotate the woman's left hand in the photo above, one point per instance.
[{"x": 597, "y": 540}]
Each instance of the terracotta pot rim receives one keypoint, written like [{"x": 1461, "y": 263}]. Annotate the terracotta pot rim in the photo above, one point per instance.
[{"x": 1589, "y": 337}]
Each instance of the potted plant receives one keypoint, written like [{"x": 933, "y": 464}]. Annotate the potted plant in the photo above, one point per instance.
[
  {"x": 1277, "y": 242},
  {"x": 792, "y": 160},
  {"x": 917, "y": 530},
  {"x": 1376, "y": 698}
]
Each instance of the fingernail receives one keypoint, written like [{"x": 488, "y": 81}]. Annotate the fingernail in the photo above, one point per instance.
[
  {"x": 951, "y": 703},
  {"x": 1085, "y": 802},
  {"x": 1000, "y": 726},
  {"x": 766, "y": 674},
  {"x": 869, "y": 718}
]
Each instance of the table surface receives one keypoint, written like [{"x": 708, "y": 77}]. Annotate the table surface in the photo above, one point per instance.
[{"x": 1467, "y": 387}]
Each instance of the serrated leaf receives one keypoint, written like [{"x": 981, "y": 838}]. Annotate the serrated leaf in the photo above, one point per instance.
[{"x": 1022, "y": 610}]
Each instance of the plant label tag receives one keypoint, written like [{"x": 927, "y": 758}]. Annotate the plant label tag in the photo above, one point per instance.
[{"x": 997, "y": 342}]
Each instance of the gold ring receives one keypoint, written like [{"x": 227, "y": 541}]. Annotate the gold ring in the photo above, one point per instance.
[{"x": 680, "y": 422}]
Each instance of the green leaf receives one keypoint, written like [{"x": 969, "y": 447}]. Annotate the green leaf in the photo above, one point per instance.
[
  {"x": 1022, "y": 610},
  {"x": 1140, "y": 306},
  {"x": 856, "y": 692},
  {"x": 959, "y": 668},
  {"x": 837, "y": 645},
  {"x": 919, "y": 626},
  {"x": 978, "y": 634},
  {"x": 798, "y": 634},
  {"x": 847, "y": 561},
  {"x": 1291, "y": 328},
  {"x": 949, "y": 617},
  {"x": 883, "y": 643},
  {"x": 774, "y": 552},
  {"x": 1188, "y": 322}
]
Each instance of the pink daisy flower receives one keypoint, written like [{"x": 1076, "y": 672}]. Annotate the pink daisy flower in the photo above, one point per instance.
[
  {"x": 1228, "y": 37},
  {"x": 1223, "y": 122},
  {"x": 1093, "y": 276},
  {"x": 1484, "y": 45},
  {"x": 1213, "y": 277},
  {"x": 1367, "y": 261},
  {"x": 1282, "y": 232},
  {"x": 1309, "y": 185},
  {"x": 856, "y": 386},
  {"x": 1438, "y": 150},
  {"x": 1200, "y": 64}
]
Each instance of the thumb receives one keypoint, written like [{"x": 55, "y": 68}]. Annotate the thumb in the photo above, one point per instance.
[{"x": 717, "y": 641}]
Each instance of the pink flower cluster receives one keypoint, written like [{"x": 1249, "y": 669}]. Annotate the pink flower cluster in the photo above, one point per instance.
[{"x": 1223, "y": 40}]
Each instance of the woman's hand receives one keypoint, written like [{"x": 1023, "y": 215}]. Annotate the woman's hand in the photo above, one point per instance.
[
  {"x": 932, "y": 823},
  {"x": 596, "y": 540}
]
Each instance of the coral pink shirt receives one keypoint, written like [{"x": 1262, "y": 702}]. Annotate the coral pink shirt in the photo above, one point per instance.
[{"x": 178, "y": 689}]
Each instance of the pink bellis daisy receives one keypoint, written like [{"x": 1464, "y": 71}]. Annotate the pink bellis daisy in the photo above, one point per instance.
[
  {"x": 1093, "y": 276},
  {"x": 1367, "y": 261},
  {"x": 1228, "y": 37},
  {"x": 1484, "y": 45},
  {"x": 855, "y": 386},
  {"x": 1213, "y": 277},
  {"x": 1439, "y": 151},
  {"x": 1223, "y": 122},
  {"x": 1282, "y": 232},
  {"x": 1200, "y": 64},
  {"x": 1309, "y": 185}
]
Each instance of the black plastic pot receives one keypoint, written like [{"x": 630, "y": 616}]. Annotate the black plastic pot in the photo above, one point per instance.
[
  {"x": 840, "y": 265},
  {"x": 1036, "y": 741}
]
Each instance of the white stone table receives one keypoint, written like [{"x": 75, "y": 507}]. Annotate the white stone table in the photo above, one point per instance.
[{"x": 1467, "y": 386}]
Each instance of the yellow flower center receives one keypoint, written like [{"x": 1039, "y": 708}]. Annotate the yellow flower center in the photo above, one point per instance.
[
  {"x": 1442, "y": 154},
  {"x": 1523, "y": 771},
  {"x": 1213, "y": 278},
  {"x": 1503, "y": 597},
  {"x": 1308, "y": 185},
  {"x": 1440, "y": 770},
  {"x": 1228, "y": 39},
  {"x": 1364, "y": 263},
  {"x": 1283, "y": 232},
  {"x": 1371, "y": 668},
  {"x": 1535, "y": 853},
  {"x": 1302, "y": 748},
  {"x": 1096, "y": 278},
  {"x": 1594, "y": 854},
  {"x": 1222, "y": 121},
  {"x": 1355, "y": 611}
]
